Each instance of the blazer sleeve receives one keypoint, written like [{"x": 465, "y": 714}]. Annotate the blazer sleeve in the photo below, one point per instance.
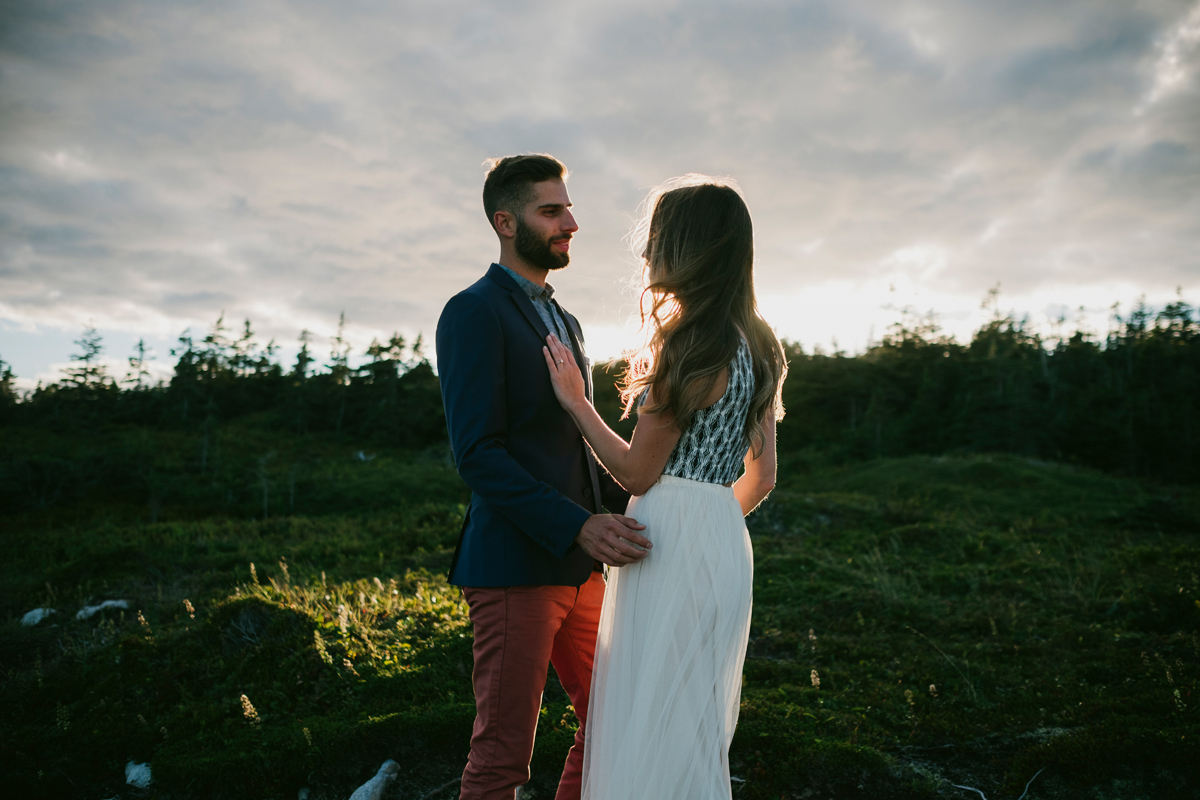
[
  {"x": 614, "y": 497},
  {"x": 470, "y": 352}
]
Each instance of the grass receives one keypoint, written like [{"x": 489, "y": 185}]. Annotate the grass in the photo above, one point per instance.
[
  {"x": 977, "y": 620},
  {"x": 918, "y": 623}
]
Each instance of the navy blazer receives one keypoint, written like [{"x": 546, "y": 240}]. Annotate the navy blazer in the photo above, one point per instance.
[{"x": 533, "y": 479}]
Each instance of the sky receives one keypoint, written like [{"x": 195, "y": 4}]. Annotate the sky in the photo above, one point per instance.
[{"x": 164, "y": 163}]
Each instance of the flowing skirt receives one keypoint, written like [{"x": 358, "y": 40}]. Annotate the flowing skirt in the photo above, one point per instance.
[{"x": 667, "y": 679}]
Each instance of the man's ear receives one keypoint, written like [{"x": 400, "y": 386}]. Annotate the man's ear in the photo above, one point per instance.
[{"x": 505, "y": 223}]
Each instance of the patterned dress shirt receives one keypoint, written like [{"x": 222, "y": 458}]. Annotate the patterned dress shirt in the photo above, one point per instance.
[{"x": 547, "y": 309}]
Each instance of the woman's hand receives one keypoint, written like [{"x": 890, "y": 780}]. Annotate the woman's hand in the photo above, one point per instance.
[
  {"x": 564, "y": 373},
  {"x": 635, "y": 465}
]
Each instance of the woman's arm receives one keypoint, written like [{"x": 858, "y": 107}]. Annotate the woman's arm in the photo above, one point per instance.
[
  {"x": 635, "y": 465},
  {"x": 759, "y": 478}
]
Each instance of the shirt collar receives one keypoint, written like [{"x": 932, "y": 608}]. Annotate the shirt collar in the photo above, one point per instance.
[{"x": 536, "y": 293}]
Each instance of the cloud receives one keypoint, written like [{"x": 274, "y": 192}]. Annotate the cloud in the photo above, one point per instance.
[
  {"x": 286, "y": 161},
  {"x": 1178, "y": 57}
]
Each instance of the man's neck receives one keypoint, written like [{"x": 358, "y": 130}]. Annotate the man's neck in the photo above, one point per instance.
[{"x": 525, "y": 270}]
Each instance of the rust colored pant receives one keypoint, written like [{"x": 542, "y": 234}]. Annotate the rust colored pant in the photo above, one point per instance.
[{"x": 519, "y": 630}]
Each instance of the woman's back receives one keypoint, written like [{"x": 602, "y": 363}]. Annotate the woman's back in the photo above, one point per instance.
[{"x": 714, "y": 445}]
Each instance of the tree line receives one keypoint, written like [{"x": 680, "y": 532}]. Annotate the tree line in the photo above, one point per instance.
[
  {"x": 1125, "y": 402},
  {"x": 392, "y": 398}
]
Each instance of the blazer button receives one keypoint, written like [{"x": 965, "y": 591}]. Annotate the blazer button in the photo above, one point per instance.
[{"x": 587, "y": 491}]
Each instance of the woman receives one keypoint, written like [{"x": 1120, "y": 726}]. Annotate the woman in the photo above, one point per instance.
[{"x": 666, "y": 685}]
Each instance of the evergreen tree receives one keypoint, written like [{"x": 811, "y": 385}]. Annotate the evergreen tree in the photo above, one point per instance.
[
  {"x": 242, "y": 359},
  {"x": 304, "y": 358},
  {"x": 387, "y": 360},
  {"x": 88, "y": 372},
  {"x": 339, "y": 355},
  {"x": 138, "y": 373},
  {"x": 339, "y": 370},
  {"x": 8, "y": 391},
  {"x": 216, "y": 358}
]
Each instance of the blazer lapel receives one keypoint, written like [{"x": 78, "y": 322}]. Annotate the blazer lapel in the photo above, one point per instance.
[
  {"x": 581, "y": 359},
  {"x": 526, "y": 305},
  {"x": 522, "y": 301},
  {"x": 585, "y": 366},
  {"x": 531, "y": 315}
]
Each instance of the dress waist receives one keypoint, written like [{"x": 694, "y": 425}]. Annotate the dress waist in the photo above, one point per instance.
[{"x": 675, "y": 480}]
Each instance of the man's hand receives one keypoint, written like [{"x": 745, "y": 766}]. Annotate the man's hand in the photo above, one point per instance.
[{"x": 613, "y": 539}]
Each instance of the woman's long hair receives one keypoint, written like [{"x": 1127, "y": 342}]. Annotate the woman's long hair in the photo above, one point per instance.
[{"x": 697, "y": 242}]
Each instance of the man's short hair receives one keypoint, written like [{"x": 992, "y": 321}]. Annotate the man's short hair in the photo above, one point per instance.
[{"x": 509, "y": 182}]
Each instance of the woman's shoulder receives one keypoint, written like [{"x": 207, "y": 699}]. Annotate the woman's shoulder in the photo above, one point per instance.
[{"x": 719, "y": 387}]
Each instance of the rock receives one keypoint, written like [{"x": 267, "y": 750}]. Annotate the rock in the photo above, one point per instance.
[
  {"x": 374, "y": 788},
  {"x": 37, "y": 615},
  {"x": 302, "y": 794},
  {"x": 137, "y": 775},
  {"x": 90, "y": 611}
]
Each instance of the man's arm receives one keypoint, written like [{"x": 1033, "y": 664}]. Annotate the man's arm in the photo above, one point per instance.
[
  {"x": 470, "y": 350},
  {"x": 612, "y": 494}
]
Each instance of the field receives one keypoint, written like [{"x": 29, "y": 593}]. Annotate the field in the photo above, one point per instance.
[{"x": 919, "y": 622}]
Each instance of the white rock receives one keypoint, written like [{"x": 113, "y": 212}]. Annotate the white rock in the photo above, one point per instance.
[
  {"x": 137, "y": 775},
  {"x": 37, "y": 615},
  {"x": 302, "y": 794},
  {"x": 90, "y": 611},
  {"x": 374, "y": 788}
]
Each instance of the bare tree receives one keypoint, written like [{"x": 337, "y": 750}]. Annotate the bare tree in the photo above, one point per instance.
[{"x": 264, "y": 479}]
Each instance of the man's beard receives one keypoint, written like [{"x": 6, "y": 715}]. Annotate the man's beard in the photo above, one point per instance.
[{"x": 539, "y": 252}]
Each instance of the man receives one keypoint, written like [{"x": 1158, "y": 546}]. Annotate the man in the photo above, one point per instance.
[{"x": 536, "y": 533}]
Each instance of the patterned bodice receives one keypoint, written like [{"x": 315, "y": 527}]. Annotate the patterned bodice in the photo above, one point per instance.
[{"x": 713, "y": 447}]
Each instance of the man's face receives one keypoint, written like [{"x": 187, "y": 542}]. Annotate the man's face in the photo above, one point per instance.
[{"x": 544, "y": 230}]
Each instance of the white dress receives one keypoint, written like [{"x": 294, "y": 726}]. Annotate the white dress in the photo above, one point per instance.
[{"x": 667, "y": 679}]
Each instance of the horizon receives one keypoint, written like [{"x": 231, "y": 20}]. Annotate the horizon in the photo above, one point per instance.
[{"x": 162, "y": 369}]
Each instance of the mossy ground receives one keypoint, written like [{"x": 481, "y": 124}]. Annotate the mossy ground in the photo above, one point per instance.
[
  {"x": 976, "y": 620},
  {"x": 969, "y": 620}
]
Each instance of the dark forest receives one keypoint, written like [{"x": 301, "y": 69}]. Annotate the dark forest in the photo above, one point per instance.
[{"x": 1126, "y": 403}]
